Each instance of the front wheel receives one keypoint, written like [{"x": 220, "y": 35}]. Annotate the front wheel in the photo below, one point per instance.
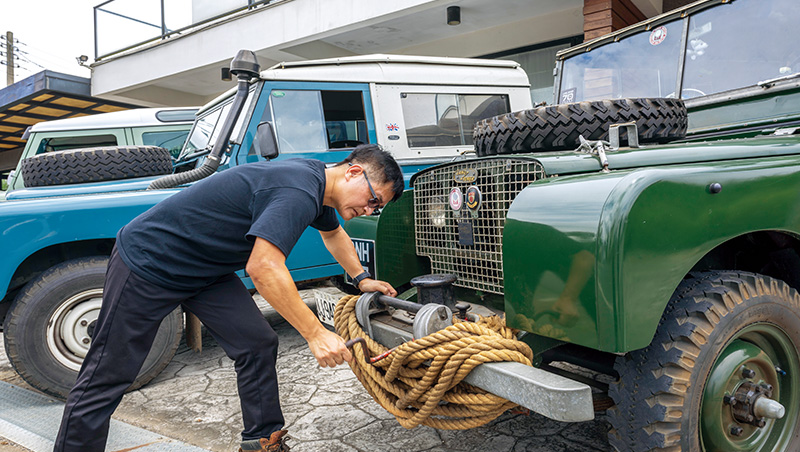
[
  {"x": 721, "y": 373},
  {"x": 48, "y": 329}
]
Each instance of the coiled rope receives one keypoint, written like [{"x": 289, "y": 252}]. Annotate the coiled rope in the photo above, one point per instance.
[{"x": 434, "y": 394}]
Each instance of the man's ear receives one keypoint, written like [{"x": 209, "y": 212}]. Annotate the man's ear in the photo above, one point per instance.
[{"x": 353, "y": 170}]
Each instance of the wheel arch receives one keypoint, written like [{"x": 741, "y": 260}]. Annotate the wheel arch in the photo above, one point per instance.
[
  {"x": 51, "y": 255},
  {"x": 774, "y": 253},
  {"x": 660, "y": 224}
]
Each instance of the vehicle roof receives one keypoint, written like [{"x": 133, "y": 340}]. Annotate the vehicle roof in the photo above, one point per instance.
[
  {"x": 397, "y": 69},
  {"x": 138, "y": 117},
  {"x": 405, "y": 69}
]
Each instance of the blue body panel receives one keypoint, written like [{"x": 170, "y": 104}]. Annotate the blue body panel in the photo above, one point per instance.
[
  {"x": 30, "y": 225},
  {"x": 34, "y": 219}
]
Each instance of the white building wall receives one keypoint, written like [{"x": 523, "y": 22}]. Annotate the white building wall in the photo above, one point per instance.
[
  {"x": 185, "y": 69},
  {"x": 264, "y": 30}
]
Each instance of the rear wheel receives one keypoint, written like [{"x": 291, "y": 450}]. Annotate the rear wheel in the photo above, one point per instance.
[
  {"x": 721, "y": 373},
  {"x": 48, "y": 329}
]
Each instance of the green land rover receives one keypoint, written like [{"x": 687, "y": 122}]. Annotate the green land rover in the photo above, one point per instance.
[{"x": 645, "y": 231}]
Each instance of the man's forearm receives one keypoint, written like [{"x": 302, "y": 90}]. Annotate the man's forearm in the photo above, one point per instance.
[
  {"x": 278, "y": 288},
  {"x": 342, "y": 249}
]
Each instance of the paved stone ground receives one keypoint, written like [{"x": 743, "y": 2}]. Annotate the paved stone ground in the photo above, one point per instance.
[{"x": 327, "y": 410}]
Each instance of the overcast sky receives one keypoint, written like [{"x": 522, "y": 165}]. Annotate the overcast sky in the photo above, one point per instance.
[{"x": 51, "y": 34}]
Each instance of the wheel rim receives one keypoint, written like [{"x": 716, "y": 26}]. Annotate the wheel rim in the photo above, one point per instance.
[
  {"x": 70, "y": 328},
  {"x": 760, "y": 356}
]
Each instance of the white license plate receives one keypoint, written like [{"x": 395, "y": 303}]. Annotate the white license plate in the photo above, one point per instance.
[{"x": 326, "y": 303}]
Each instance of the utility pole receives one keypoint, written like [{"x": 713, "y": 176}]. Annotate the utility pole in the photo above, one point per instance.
[{"x": 9, "y": 58}]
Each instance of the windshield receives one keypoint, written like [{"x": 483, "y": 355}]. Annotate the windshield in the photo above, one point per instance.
[
  {"x": 722, "y": 54},
  {"x": 209, "y": 125},
  {"x": 724, "y": 47},
  {"x": 643, "y": 65}
]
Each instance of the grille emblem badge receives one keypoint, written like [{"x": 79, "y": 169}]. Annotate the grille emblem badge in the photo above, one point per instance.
[
  {"x": 456, "y": 199},
  {"x": 474, "y": 198},
  {"x": 465, "y": 175}
]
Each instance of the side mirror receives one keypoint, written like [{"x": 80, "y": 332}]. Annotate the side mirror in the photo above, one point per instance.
[{"x": 265, "y": 143}]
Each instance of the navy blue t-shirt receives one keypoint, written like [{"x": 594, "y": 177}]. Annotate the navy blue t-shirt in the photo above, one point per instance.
[{"x": 205, "y": 231}]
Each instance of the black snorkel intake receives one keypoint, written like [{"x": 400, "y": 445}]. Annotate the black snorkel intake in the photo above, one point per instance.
[{"x": 245, "y": 67}]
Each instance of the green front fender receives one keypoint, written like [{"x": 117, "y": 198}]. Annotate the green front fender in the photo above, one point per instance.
[{"x": 594, "y": 259}]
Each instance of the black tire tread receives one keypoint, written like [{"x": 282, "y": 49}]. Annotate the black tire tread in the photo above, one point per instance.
[
  {"x": 77, "y": 166},
  {"x": 650, "y": 392},
  {"x": 12, "y": 324},
  {"x": 557, "y": 127}
]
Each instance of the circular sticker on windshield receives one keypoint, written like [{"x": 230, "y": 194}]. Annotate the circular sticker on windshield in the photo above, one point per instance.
[
  {"x": 456, "y": 199},
  {"x": 658, "y": 35}
]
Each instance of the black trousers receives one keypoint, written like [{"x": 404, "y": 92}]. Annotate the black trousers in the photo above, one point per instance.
[{"x": 129, "y": 318}]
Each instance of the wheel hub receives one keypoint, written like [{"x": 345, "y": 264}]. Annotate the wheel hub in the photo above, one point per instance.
[
  {"x": 752, "y": 403},
  {"x": 744, "y": 397},
  {"x": 70, "y": 329}
]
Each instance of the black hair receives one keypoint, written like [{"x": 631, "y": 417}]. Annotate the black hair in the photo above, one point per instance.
[{"x": 379, "y": 162}]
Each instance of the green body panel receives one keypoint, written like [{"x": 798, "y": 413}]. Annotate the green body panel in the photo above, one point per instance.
[
  {"x": 627, "y": 238},
  {"x": 564, "y": 163},
  {"x": 593, "y": 258},
  {"x": 550, "y": 238}
]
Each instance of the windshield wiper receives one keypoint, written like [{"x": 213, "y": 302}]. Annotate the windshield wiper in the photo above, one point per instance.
[{"x": 194, "y": 155}]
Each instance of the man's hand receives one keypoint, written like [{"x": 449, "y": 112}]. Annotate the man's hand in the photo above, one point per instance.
[
  {"x": 375, "y": 285},
  {"x": 267, "y": 268},
  {"x": 329, "y": 349},
  {"x": 342, "y": 249}
]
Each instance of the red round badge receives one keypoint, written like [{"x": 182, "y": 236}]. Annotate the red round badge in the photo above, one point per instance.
[
  {"x": 456, "y": 199},
  {"x": 658, "y": 35}
]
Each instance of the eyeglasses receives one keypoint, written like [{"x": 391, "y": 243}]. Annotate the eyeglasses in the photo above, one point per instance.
[{"x": 374, "y": 202}]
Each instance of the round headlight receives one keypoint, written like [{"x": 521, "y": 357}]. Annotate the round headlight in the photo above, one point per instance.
[{"x": 438, "y": 214}]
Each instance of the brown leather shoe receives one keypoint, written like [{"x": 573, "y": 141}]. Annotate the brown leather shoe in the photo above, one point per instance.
[{"x": 275, "y": 443}]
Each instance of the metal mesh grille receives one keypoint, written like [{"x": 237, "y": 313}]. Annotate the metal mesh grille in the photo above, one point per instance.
[{"x": 478, "y": 266}]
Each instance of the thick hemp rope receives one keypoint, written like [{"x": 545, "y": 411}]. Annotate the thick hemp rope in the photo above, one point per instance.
[{"x": 434, "y": 395}]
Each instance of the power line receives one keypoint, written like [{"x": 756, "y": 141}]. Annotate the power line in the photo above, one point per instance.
[
  {"x": 23, "y": 58},
  {"x": 42, "y": 54}
]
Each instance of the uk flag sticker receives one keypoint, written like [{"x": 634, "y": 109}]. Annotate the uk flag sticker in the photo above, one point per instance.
[{"x": 392, "y": 127}]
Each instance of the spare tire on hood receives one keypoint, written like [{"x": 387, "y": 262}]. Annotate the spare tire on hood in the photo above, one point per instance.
[
  {"x": 76, "y": 166},
  {"x": 557, "y": 127}
]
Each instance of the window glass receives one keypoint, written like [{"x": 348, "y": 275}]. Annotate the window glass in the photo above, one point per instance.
[
  {"x": 175, "y": 115},
  {"x": 642, "y": 65},
  {"x": 431, "y": 120},
  {"x": 220, "y": 123},
  {"x": 172, "y": 140},
  {"x": 202, "y": 130},
  {"x": 447, "y": 119},
  {"x": 474, "y": 108},
  {"x": 73, "y": 142},
  {"x": 299, "y": 122},
  {"x": 237, "y": 128},
  {"x": 723, "y": 52},
  {"x": 209, "y": 125}
]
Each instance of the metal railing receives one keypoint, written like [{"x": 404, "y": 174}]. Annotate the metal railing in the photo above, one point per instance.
[{"x": 128, "y": 24}]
